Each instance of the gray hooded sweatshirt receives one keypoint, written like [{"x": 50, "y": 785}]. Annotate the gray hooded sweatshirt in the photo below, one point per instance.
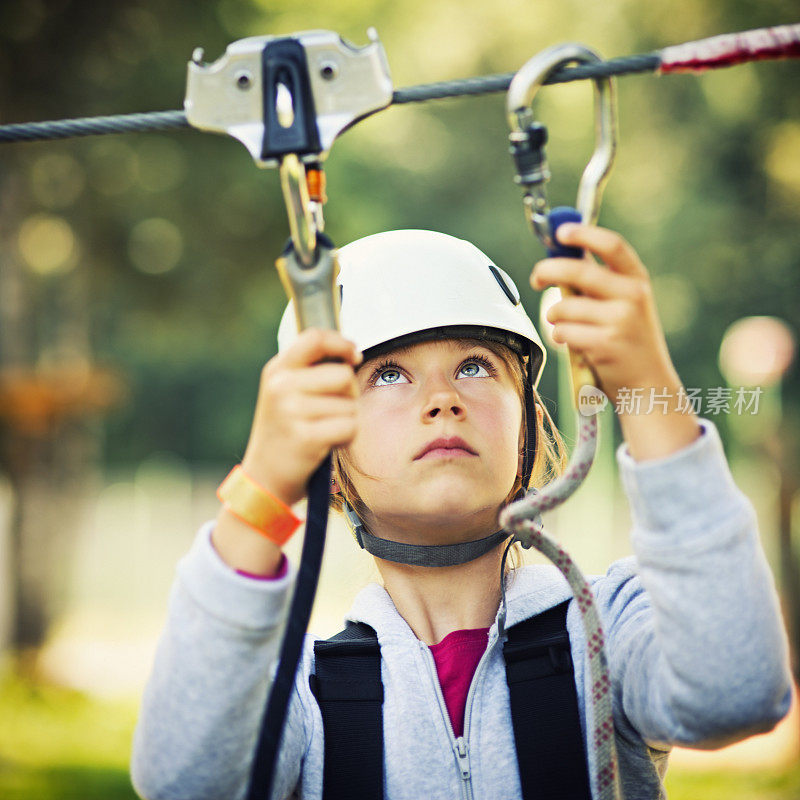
[{"x": 696, "y": 649}]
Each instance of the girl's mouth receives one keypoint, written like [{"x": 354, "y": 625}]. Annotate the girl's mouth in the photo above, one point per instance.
[
  {"x": 446, "y": 452},
  {"x": 450, "y": 447}
]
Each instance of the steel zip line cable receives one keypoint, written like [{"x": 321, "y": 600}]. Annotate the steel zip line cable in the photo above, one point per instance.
[
  {"x": 161, "y": 120},
  {"x": 714, "y": 53}
]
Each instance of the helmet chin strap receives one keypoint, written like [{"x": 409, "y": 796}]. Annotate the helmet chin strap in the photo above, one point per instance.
[
  {"x": 450, "y": 555},
  {"x": 421, "y": 555}
]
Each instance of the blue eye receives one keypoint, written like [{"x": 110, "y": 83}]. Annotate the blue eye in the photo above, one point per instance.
[
  {"x": 389, "y": 377},
  {"x": 476, "y": 368},
  {"x": 389, "y": 373}
]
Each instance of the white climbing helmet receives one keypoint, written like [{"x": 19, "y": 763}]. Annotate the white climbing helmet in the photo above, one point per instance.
[
  {"x": 402, "y": 287},
  {"x": 413, "y": 282}
]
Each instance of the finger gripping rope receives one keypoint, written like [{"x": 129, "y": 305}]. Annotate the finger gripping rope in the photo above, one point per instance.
[{"x": 523, "y": 519}]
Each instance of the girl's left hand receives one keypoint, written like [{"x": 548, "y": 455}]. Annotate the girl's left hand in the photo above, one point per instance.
[{"x": 614, "y": 322}]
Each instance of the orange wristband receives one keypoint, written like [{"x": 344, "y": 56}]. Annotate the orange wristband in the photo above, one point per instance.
[{"x": 241, "y": 496}]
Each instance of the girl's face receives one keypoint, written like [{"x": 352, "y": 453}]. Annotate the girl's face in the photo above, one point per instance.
[{"x": 438, "y": 442}]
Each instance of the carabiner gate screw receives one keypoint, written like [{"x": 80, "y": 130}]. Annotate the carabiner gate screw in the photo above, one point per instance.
[{"x": 528, "y": 138}]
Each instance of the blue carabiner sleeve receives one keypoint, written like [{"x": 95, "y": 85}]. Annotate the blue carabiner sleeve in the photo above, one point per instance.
[{"x": 557, "y": 217}]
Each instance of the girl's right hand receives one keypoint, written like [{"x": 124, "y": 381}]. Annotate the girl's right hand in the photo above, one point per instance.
[{"x": 304, "y": 409}]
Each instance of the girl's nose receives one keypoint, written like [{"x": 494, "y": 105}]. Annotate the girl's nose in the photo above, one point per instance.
[{"x": 443, "y": 398}]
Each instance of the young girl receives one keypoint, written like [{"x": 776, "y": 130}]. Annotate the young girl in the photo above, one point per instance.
[{"x": 436, "y": 425}]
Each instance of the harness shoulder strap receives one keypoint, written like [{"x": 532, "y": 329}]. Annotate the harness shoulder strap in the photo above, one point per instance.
[
  {"x": 349, "y": 691},
  {"x": 544, "y": 708}
]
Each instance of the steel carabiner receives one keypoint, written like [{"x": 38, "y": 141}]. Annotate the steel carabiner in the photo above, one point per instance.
[
  {"x": 302, "y": 225},
  {"x": 528, "y": 139},
  {"x": 308, "y": 267}
]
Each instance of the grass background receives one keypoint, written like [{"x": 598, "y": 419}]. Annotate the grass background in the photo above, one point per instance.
[{"x": 60, "y": 744}]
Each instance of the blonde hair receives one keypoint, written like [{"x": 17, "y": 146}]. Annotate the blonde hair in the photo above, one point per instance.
[{"x": 549, "y": 460}]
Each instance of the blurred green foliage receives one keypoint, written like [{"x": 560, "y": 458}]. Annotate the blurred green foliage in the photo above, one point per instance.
[
  {"x": 158, "y": 248},
  {"x": 60, "y": 744},
  {"x": 780, "y": 785},
  {"x": 175, "y": 233}
]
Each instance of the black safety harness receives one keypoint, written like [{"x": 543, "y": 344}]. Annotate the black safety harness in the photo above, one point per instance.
[{"x": 544, "y": 710}]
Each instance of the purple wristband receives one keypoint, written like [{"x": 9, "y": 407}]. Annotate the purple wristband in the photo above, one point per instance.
[{"x": 283, "y": 568}]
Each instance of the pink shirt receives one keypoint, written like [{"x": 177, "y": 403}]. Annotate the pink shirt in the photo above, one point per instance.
[{"x": 457, "y": 657}]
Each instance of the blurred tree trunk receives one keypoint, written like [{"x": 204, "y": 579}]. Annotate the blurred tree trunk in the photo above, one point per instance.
[
  {"x": 48, "y": 479},
  {"x": 47, "y": 464},
  {"x": 779, "y": 449}
]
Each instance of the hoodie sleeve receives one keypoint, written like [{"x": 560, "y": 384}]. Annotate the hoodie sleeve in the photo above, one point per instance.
[
  {"x": 696, "y": 643},
  {"x": 203, "y": 702}
]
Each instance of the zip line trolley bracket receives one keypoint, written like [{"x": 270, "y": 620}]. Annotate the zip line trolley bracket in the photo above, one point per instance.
[
  {"x": 288, "y": 94},
  {"x": 287, "y": 98}
]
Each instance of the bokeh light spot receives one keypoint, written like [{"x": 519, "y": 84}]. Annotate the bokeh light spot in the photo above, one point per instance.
[
  {"x": 240, "y": 211},
  {"x": 677, "y": 302},
  {"x": 155, "y": 246},
  {"x": 113, "y": 167},
  {"x": 757, "y": 351},
  {"x": 732, "y": 94},
  {"x": 47, "y": 244},
  {"x": 783, "y": 157},
  {"x": 162, "y": 164},
  {"x": 21, "y": 21},
  {"x": 57, "y": 180}
]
